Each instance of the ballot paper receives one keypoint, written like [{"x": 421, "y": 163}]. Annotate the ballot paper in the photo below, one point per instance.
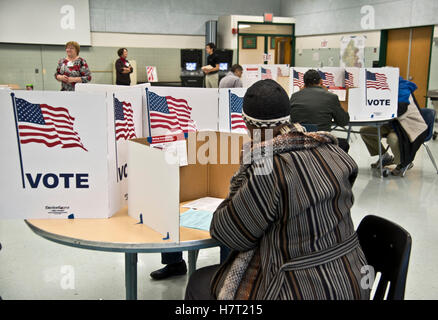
[
  {"x": 207, "y": 203},
  {"x": 176, "y": 151},
  {"x": 196, "y": 219}
]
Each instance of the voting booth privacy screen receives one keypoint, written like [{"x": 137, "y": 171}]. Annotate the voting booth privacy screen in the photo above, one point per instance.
[
  {"x": 180, "y": 110},
  {"x": 67, "y": 152},
  {"x": 157, "y": 186}
]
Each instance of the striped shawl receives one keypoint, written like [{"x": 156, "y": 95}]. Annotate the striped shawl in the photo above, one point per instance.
[{"x": 290, "y": 229}]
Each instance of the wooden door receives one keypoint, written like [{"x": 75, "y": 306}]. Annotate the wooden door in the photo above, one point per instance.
[
  {"x": 409, "y": 50},
  {"x": 283, "y": 50}
]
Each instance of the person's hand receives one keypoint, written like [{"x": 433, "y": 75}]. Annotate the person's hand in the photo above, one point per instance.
[
  {"x": 62, "y": 77},
  {"x": 206, "y": 71},
  {"x": 71, "y": 79}
]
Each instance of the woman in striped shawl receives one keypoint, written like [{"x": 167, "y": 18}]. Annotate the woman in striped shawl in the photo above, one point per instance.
[{"x": 287, "y": 216}]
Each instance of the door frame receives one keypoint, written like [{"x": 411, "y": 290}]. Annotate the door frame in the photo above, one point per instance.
[
  {"x": 266, "y": 35},
  {"x": 384, "y": 47}
]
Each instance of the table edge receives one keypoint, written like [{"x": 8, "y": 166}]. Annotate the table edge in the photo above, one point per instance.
[{"x": 124, "y": 247}]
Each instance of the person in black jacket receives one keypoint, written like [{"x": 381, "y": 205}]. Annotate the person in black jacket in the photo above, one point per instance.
[
  {"x": 123, "y": 68},
  {"x": 315, "y": 105}
]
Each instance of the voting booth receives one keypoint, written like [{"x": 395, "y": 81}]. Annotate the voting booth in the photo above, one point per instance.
[
  {"x": 172, "y": 110},
  {"x": 230, "y": 110},
  {"x": 376, "y": 97},
  {"x": 67, "y": 153},
  {"x": 158, "y": 184}
]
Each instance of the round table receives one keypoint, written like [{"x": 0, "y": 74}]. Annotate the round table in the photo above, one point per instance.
[{"x": 121, "y": 233}]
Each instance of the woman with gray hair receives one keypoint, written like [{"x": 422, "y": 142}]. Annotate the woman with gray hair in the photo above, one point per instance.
[{"x": 287, "y": 216}]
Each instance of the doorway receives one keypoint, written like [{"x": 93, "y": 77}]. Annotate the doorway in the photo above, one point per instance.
[
  {"x": 409, "y": 49},
  {"x": 265, "y": 43}
]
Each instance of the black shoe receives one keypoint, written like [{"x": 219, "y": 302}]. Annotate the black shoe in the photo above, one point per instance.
[
  {"x": 387, "y": 160},
  {"x": 174, "y": 269}
]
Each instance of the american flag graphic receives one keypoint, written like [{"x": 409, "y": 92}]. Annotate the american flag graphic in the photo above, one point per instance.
[
  {"x": 170, "y": 113},
  {"x": 236, "y": 104},
  {"x": 377, "y": 81},
  {"x": 327, "y": 79},
  {"x": 298, "y": 79},
  {"x": 124, "y": 120},
  {"x": 349, "y": 79},
  {"x": 41, "y": 123},
  {"x": 150, "y": 72},
  {"x": 266, "y": 74}
]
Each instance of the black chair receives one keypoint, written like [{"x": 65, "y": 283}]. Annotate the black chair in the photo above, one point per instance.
[{"x": 387, "y": 248}]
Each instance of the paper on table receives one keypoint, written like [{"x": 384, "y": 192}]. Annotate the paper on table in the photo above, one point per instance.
[
  {"x": 196, "y": 219},
  {"x": 206, "y": 203}
]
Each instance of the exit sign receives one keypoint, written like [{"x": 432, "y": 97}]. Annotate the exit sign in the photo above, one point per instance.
[{"x": 269, "y": 17}]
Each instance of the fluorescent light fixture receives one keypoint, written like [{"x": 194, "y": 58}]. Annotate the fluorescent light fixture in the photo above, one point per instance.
[{"x": 243, "y": 26}]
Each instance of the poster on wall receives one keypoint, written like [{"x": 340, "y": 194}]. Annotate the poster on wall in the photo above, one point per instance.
[{"x": 352, "y": 51}]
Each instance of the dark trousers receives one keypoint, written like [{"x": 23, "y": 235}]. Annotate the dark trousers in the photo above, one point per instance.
[
  {"x": 343, "y": 144},
  {"x": 175, "y": 257},
  {"x": 198, "y": 287}
]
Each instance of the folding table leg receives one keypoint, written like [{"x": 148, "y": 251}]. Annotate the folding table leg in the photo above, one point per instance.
[
  {"x": 131, "y": 275},
  {"x": 380, "y": 150},
  {"x": 193, "y": 256}
]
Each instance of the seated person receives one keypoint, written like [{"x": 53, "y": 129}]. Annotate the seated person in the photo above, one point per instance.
[
  {"x": 315, "y": 105},
  {"x": 287, "y": 216},
  {"x": 232, "y": 79},
  {"x": 404, "y": 135}
]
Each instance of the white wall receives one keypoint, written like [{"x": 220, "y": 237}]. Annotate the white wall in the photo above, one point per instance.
[
  {"x": 324, "y": 17},
  {"x": 110, "y": 39}
]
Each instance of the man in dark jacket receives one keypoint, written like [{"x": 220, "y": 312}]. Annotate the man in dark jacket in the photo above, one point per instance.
[
  {"x": 123, "y": 68},
  {"x": 315, "y": 105}
]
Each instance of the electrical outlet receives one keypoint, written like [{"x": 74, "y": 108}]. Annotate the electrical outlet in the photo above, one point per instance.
[{"x": 37, "y": 70}]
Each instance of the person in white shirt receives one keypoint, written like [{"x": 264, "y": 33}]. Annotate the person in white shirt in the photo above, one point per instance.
[{"x": 232, "y": 79}]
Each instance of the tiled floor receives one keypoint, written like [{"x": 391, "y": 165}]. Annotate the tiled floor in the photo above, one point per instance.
[{"x": 34, "y": 268}]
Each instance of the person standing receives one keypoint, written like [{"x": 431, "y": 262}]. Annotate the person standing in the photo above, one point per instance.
[
  {"x": 72, "y": 69},
  {"x": 212, "y": 68},
  {"x": 232, "y": 79},
  {"x": 123, "y": 68}
]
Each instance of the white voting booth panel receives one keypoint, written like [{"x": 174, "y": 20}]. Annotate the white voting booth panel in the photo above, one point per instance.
[
  {"x": 230, "y": 109},
  {"x": 250, "y": 75},
  {"x": 125, "y": 114},
  {"x": 170, "y": 110},
  {"x": 296, "y": 81},
  {"x": 376, "y": 97},
  {"x": 351, "y": 77},
  {"x": 55, "y": 151},
  {"x": 153, "y": 189},
  {"x": 158, "y": 185},
  {"x": 332, "y": 76}
]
